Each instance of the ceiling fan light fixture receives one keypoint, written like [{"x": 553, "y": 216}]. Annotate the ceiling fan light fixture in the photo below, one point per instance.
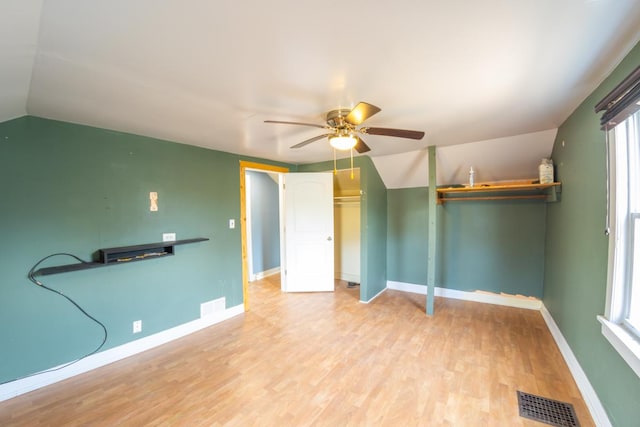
[
  {"x": 343, "y": 142},
  {"x": 342, "y": 126}
]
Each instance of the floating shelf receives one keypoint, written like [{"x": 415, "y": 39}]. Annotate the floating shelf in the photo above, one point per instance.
[
  {"x": 518, "y": 190},
  {"x": 122, "y": 255}
]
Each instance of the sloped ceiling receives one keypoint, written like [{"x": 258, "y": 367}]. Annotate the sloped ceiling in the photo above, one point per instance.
[
  {"x": 210, "y": 73},
  {"x": 512, "y": 158},
  {"x": 19, "y": 23}
]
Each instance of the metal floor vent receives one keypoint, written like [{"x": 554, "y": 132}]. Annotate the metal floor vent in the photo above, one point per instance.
[{"x": 547, "y": 411}]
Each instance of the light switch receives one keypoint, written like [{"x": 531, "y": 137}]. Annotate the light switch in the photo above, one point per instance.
[{"x": 232, "y": 223}]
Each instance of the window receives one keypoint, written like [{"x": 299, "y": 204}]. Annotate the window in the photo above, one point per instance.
[
  {"x": 625, "y": 236},
  {"x": 621, "y": 324},
  {"x": 621, "y": 121},
  {"x": 632, "y": 136}
]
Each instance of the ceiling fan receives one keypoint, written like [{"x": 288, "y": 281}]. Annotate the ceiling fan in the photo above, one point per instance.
[{"x": 342, "y": 125}]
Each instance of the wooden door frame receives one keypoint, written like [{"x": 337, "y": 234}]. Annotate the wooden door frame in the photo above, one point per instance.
[{"x": 244, "y": 166}]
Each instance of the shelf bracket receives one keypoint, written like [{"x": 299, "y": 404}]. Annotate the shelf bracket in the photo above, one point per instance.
[{"x": 553, "y": 193}]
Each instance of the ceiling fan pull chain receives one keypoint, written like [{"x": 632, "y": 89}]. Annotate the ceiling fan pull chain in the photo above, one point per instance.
[
  {"x": 351, "y": 163},
  {"x": 335, "y": 170}
]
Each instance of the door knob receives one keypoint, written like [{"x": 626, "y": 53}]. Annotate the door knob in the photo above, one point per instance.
[{"x": 329, "y": 239}]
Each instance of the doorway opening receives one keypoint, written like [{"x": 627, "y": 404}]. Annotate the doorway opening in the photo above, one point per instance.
[
  {"x": 263, "y": 224},
  {"x": 347, "y": 230},
  {"x": 244, "y": 167}
]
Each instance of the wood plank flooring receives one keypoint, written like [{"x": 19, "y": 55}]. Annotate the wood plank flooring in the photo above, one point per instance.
[{"x": 323, "y": 359}]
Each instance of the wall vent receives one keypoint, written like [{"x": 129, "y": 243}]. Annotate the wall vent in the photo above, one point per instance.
[
  {"x": 211, "y": 308},
  {"x": 548, "y": 411}
]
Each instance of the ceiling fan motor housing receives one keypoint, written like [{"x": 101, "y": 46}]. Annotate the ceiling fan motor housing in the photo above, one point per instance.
[{"x": 336, "y": 118}]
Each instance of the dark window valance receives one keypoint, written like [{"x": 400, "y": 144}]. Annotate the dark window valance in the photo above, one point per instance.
[{"x": 621, "y": 102}]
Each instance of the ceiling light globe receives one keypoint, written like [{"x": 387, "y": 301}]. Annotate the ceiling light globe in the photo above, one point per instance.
[{"x": 343, "y": 142}]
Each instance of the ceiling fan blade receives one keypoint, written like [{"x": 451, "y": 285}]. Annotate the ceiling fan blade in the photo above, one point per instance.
[
  {"x": 310, "y": 140},
  {"x": 360, "y": 113},
  {"x": 360, "y": 146},
  {"x": 400, "y": 133},
  {"x": 297, "y": 123}
]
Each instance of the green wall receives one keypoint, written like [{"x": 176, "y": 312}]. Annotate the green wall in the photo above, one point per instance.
[
  {"x": 495, "y": 246},
  {"x": 70, "y": 188},
  {"x": 407, "y": 235},
  {"x": 373, "y": 223},
  {"x": 576, "y": 253}
]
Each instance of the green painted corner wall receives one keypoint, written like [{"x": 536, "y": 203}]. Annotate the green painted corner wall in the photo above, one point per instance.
[
  {"x": 71, "y": 188},
  {"x": 576, "y": 253},
  {"x": 374, "y": 203},
  {"x": 494, "y": 246},
  {"x": 373, "y": 223},
  {"x": 407, "y": 235}
]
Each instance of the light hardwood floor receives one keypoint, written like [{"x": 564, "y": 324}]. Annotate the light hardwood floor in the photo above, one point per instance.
[{"x": 323, "y": 359}]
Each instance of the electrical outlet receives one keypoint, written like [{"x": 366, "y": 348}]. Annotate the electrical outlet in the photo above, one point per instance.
[
  {"x": 137, "y": 326},
  {"x": 168, "y": 237}
]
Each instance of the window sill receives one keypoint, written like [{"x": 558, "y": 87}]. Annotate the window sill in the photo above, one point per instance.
[{"x": 623, "y": 341}]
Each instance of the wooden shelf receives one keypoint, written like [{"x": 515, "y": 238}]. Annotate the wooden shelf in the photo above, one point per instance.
[
  {"x": 122, "y": 255},
  {"x": 496, "y": 191}
]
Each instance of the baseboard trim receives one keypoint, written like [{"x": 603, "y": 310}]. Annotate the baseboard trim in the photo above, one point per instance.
[
  {"x": 374, "y": 297},
  {"x": 25, "y": 385},
  {"x": 484, "y": 297},
  {"x": 586, "y": 389},
  {"x": 261, "y": 275}
]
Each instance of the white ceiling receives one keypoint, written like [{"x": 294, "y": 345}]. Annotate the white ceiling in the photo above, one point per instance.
[{"x": 208, "y": 73}]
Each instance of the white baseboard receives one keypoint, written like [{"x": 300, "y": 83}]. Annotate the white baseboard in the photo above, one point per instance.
[
  {"x": 261, "y": 275},
  {"x": 374, "y": 297},
  {"x": 589, "y": 395},
  {"x": 25, "y": 385},
  {"x": 485, "y": 297}
]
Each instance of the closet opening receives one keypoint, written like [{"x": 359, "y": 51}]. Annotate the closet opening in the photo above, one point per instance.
[{"x": 346, "y": 223}]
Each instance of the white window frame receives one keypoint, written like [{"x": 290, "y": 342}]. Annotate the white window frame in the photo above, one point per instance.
[{"x": 622, "y": 336}]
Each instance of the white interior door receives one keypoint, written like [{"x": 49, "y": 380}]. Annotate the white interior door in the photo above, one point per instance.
[{"x": 308, "y": 208}]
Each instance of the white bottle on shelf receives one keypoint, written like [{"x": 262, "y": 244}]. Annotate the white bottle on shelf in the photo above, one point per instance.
[
  {"x": 545, "y": 171},
  {"x": 472, "y": 178}
]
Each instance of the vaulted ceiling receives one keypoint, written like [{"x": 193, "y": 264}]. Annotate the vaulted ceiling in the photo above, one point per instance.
[{"x": 208, "y": 73}]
